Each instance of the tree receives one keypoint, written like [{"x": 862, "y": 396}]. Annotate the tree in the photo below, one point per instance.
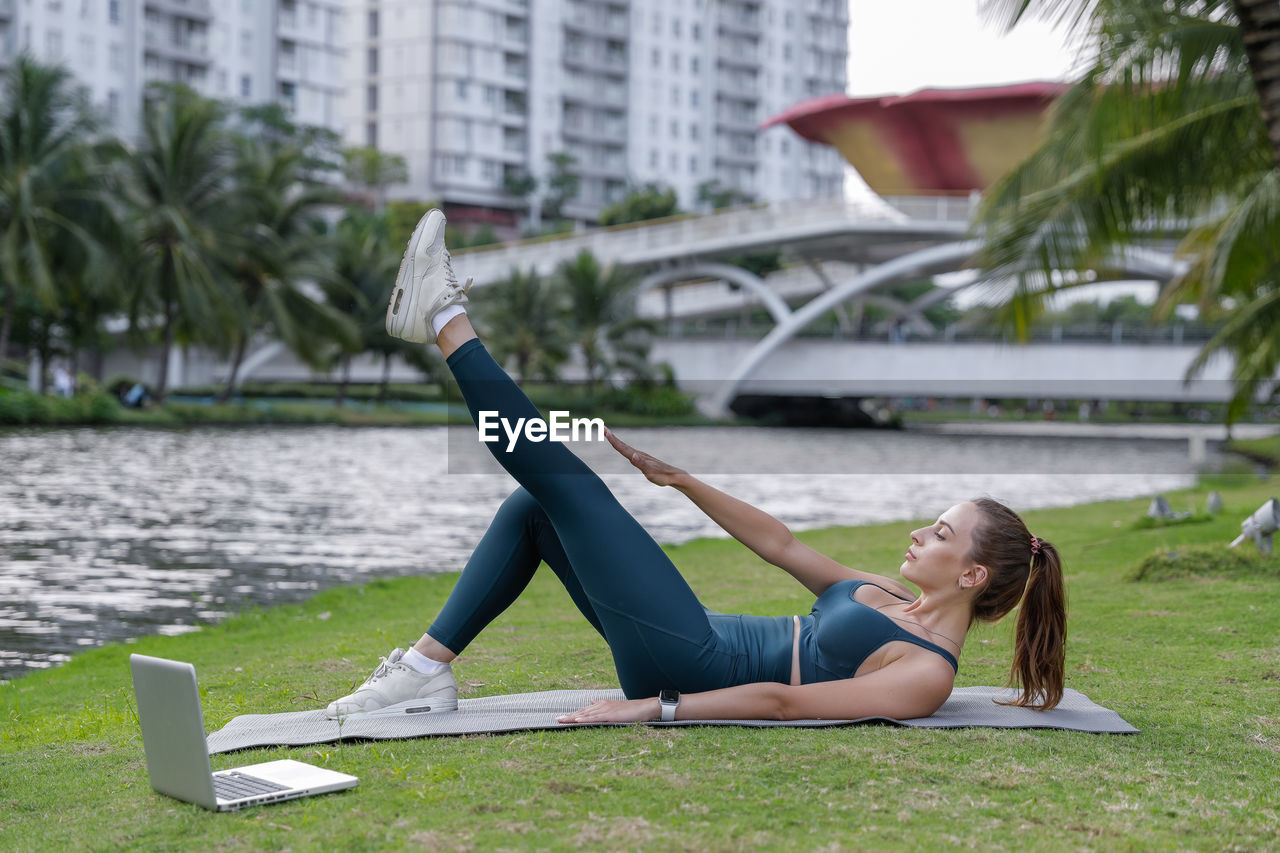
[
  {"x": 602, "y": 318},
  {"x": 181, "y": 212},
  {"x": 51, "y": 186},
  {"x": 524, "y": 319},
  {"x": 364, "y": 268},
  {"x": 1162, "y": 137},
  {"x": 651, "y": 201},
  {"x": 373, "y": 171},
  {"x": 716, "y": 196},
  {"x": 563, "y": 184},
  {"x": 280, "y": 247}
]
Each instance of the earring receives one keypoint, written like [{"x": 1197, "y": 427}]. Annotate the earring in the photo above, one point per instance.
[{"x": 960, "y": 585}]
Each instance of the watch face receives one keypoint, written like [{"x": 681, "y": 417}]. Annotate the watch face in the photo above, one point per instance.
[{"x": 668, "y": 697}]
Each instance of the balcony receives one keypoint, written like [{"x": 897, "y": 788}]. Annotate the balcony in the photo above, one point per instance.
[
  {"x": 196, "y": 10},
  {"x": 6, "y": 10},
  {"x": 189, "y": 49},
  {"x": 580, "y": 127},
  {"x": 591, "y": 56},
  {"x": 745, "y": 53},
  {"x": 741, "y": 23}
]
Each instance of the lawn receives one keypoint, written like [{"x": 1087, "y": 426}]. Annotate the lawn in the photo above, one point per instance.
[{"x": 1192, "y": 660}]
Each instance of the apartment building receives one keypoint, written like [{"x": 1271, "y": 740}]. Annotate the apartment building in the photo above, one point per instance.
[
  {"x": 474, "y": 92},
  {"x": 247, "y": 51}
]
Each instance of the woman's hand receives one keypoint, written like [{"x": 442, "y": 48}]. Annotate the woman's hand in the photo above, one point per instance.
[
  {"x": 655, "y": 470},
  {"x": 614, "y": 711}
]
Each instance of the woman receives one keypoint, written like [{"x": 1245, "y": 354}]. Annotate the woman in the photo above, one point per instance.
[{"x": 870, "y": 646}]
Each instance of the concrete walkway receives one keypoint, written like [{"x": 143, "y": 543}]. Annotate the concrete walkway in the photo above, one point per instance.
[{"x": 1075, "y": 429}]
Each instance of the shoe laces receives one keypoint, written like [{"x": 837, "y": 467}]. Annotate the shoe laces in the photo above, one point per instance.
[
  {"x": 383, "y": 670},
  {"x": 451, "y": 279}
]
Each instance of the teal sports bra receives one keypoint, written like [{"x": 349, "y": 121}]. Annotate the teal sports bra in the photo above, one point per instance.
[{"x": 840, "y": 633}]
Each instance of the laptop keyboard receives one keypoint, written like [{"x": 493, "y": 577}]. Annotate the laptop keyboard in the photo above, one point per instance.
[{"x": 235, "y": 786}]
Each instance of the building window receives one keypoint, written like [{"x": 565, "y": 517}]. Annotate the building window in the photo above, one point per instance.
[
  {"x": 461, "y": 89},
  {"x": 113, "y": 11},
  {"x": 694, "y": 65},
  {"x": 53, "y": 45},
  {"x": 693, "y": 165},
  {"x": 246, "y": 86},
  {"x": 371, "y": 99},
  {"x": 371, "y": 61},
  {"x": 115, "y": 56},
  {"x": 693, "y": 98},
  {"x": 113, "y": 104},
  {"x": 697, "y": 32},
  {"x": 675, "y": 129},
  {"x": 373, "y": 24},
  {"x": 654, "y": 159},
  {"x": 693, "y": 130},
  {"x": 371, "y": 134},
  {"x": 675, "y": 27},
  {"x": 657, "y": 58}
]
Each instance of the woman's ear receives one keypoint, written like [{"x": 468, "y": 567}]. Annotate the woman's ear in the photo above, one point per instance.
[{"x": 976, "y": 575}]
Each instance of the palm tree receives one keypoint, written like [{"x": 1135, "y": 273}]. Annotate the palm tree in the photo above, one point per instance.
[
  {"x": 1161, "y": 138},
  {"x": 602, "y": 317},
  {"x": 364, "y": 268},
  {"x": 524, "y": 319},
  {"x": 50, "y": 184},
  {"x": 373, "y": 171},
  {"x": 280, "y": 246},
  {"x": 177, "y": 191}
]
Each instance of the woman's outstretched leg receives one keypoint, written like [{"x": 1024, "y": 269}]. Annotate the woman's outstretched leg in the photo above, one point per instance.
[
  {"x": 519, "y": 538},
  {"x": 658, "y": 632}
]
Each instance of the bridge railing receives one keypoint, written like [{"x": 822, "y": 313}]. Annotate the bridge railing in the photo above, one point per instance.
[
  {"x": 1123, "y": 335},
  {"x": 677, "y": 236}
]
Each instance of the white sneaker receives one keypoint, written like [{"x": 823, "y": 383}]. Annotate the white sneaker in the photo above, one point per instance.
[
  {"x": 425, "y": 283},
  {"x": 395, "y": 688}
]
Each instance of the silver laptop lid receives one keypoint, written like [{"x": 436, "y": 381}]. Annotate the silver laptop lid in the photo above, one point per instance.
[{"x": 173, "y": 729}]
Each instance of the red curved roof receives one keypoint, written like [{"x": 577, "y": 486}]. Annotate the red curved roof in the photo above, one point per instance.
[{"x": 930, "y": 142}]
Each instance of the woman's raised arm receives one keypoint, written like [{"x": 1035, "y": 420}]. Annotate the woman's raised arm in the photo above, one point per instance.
[{"x": 765, "y": 535}]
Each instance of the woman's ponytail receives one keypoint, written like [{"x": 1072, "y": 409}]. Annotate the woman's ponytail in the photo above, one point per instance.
[
  {"x": 1025, "y": 572},
  {"x": 1039, "y": 638}
]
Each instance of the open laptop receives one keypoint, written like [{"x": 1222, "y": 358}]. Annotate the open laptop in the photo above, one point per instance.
[{"x": 178, "y": 756}]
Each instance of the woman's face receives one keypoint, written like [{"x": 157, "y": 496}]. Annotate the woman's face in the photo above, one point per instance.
[{"x": 938, "y": 556}]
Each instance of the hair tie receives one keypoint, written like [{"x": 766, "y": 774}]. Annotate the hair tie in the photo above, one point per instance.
[{"x": 1035, "y": 546}]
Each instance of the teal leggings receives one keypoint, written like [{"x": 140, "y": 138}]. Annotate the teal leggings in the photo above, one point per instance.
[{"x": 617, "y": 575}]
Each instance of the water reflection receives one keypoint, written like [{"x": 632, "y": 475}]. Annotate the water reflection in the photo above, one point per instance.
[{"x": 112, "y": 533}]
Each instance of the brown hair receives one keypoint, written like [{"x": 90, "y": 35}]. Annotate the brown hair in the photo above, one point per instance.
[{"x": 1017, "y": 572}]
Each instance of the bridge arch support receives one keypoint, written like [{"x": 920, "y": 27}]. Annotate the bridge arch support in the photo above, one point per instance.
[
  {"x": 949, "y": 257},
  {"x": 773, "y": 303}
]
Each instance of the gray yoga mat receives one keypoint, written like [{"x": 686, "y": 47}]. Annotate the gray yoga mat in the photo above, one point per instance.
[{"x": 968, "y": 706}]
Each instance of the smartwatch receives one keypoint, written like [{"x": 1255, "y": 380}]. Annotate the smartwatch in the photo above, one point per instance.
[{"x": 669, "y": 700}]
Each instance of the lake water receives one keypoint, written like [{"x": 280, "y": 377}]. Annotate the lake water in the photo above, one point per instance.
[{"x": 110, "y": 533}]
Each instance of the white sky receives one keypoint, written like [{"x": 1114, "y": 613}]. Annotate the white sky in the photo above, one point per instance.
[{"x": 898, "y": 46}]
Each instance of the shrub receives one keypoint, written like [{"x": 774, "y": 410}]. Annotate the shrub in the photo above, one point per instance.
[{"x": 1187, "y": 561}]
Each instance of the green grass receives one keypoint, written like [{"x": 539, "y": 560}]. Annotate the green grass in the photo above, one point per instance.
[
  {"x": 1263, "y": 450},
  {"x": 1193, "y": 661}
]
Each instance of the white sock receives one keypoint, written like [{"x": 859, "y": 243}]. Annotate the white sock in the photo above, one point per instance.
[
  {"x": 422, "y": 663},
  {"x": 444, "y": 315}
]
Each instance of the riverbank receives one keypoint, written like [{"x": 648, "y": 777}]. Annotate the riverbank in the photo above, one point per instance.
[
  {"x": 1193, "y": 662},
  {"x": 20, "y": 408}
]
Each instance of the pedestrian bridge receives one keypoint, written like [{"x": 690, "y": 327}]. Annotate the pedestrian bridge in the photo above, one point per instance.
[{"x": 840, "y": 368}]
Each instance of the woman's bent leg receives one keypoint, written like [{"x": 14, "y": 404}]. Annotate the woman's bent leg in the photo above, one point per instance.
[
  {"x": 519, "y": 538},
  {"x": 657, "y": 630}
]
